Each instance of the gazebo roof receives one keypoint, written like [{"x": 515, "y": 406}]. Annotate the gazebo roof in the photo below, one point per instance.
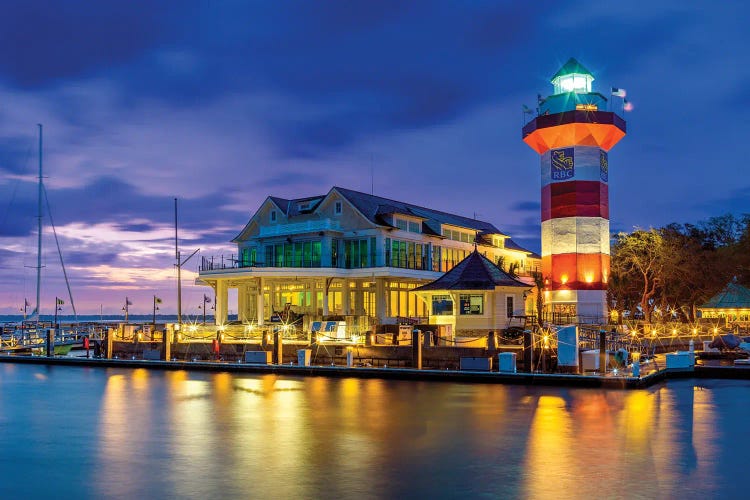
[
  {"x": 475, "y": 272},
  {"x": 733, "y": 296}
]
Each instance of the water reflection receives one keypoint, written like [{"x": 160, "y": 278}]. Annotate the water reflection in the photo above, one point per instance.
[{"x": 193, "y": 435}]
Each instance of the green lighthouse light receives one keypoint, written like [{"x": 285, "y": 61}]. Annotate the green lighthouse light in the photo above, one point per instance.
[{"x": 572, "y": 77}]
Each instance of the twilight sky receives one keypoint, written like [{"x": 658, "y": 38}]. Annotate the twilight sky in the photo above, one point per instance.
[{"x": 223, "y": 103}]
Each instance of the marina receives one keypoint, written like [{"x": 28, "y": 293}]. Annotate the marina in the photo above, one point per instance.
[
  {"x": 373, "y": 250},
  {"x": 193, "y": 434}
]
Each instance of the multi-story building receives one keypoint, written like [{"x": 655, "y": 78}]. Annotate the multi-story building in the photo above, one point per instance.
[{"x": 351, "y": 254}]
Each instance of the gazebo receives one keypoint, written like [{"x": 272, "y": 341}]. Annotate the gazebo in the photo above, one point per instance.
[
  {"x": 732, "y": 304},
  {"x": 475, "y": 297}
]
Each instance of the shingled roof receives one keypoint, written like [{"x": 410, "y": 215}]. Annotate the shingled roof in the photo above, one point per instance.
[
  {"x": 372, "y": 206},
  {"x": 733, "y": 296},
  {"x": 475, "y": 272}
]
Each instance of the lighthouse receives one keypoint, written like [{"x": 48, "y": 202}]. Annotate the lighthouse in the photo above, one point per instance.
[{"x": 573, "y": 132}]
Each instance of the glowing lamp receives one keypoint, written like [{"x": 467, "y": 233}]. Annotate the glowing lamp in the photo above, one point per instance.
[{"x": 572, "y": 77}]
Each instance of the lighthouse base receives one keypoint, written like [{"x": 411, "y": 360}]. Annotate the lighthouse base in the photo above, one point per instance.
[{"x": 576, "y": 306}]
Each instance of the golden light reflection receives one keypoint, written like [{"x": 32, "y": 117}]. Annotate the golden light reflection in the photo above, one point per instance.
[{"x": 548, "y": 457}]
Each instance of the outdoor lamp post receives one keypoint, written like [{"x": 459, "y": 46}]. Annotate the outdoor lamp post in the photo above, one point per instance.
[
  {"x": 157, "y": 300},
  {"x": 58, "y": 307}
]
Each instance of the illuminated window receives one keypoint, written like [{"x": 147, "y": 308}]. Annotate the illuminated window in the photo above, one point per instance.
[
  {"x": 442, "y": 305},
  {"x": 471, "y": 304}
]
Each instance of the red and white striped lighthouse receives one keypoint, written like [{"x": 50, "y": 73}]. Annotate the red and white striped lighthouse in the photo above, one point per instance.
[{"x": 573, "y": 132}]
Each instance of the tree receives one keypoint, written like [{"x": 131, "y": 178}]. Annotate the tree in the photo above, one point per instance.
[{"x": 637, "y": 263}]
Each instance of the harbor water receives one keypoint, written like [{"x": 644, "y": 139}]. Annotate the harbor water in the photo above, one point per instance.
[{"x": 70, "y": 432}]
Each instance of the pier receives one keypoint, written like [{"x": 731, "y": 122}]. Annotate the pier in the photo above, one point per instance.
[{"x": 405, "y": 355}]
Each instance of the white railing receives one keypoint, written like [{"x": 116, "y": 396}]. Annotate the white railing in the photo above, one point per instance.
[{"x": 300, "y": 227}]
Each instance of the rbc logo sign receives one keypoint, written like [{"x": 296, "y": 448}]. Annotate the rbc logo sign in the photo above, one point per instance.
[{"x": 562, "y": 164}]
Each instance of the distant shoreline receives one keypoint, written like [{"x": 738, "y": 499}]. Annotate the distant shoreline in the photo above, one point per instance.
[{"x": 132, "y": 318}]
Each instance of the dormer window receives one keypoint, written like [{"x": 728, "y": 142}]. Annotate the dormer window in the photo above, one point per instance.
[
  {"x": 273, "y": 215},
  {"x": 337, "y": 208}
]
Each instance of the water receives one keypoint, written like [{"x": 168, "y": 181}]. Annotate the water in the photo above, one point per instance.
[{"x": 93, "y": 433}]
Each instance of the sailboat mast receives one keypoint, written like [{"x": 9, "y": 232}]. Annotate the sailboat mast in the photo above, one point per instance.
[
  {"x": 39, "y": 231},
  {"x": 179, "y": 269}
]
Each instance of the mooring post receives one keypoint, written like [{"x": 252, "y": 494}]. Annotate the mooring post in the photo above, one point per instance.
[
  {"x": 108, "y": 333},
  {"x": 528, "y": 351},
  {"x": 278, "y": 349},
  {"x": 50, "y": 342},
  {"x": 416, "y": 349},
  {"x": 491, "y": 341},
  {"x": 603, "y": 351},
  {"x": 166, "y": 348}
]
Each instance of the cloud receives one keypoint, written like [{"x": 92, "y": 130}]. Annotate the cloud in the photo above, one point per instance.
[{"x": 527, "y": 206}]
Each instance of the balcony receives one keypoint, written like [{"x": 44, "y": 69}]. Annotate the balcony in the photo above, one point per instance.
[{"x": 310, "y": 226}]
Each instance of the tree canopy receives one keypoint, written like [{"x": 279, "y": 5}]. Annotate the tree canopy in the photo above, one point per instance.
[{"x": 671, "y": 270}]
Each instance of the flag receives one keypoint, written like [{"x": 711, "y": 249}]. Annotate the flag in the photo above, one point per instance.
[
  {"x": 157, "y": 300},
  {"x": 59, "y": 301},
  {"x": 206, "y": 299},
  {"x": 128, "y": 302},
  {"x": 26, "y": 303},
  {"x": 527, "y": 110},
  {"x": 618, "y": 92},
  {"x": 627, "y": 105}
]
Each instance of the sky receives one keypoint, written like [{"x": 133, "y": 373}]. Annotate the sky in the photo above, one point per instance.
[{"x": 221, "y": 104}]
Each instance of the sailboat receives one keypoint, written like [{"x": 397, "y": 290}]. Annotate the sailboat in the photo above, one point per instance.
[{"x": 36, "y": 313}]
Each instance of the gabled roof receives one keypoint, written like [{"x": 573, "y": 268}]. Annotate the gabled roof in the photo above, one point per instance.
[
  {"x": 475, "y": 272},
  {"x": 282, "y": 203},
  {"x": 572, "y": 66},
  {"x": 377, "y": 209},
  {"x": 373, "y": 206},
  {"x": 733, "y": 296}
]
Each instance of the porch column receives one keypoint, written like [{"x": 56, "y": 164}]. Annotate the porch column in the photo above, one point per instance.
[
  {"x": 242, "y": 302},
  {"x": 380, "y": 312},
  {"x": 222, "y": 297},
  {"x": 359, "y": 299},
  {"x": 260, "y": 303},
  {"x": 325, "y": 298},
  {"x": 345, "y": 298}
]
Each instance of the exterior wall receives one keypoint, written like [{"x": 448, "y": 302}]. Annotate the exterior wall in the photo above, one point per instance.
[{"x": 493, "y": 318}]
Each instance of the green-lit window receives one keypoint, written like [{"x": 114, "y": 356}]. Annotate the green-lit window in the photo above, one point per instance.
[
  {"x": 298, "y": 249},
  {"x": 288, "y": 254},
  {"x": 279, "y": 255},
  {"x": 315, "y": 254}
]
